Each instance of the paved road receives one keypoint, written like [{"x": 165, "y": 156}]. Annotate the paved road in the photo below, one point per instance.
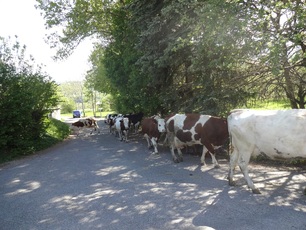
[{"x": 98, "y": 182}]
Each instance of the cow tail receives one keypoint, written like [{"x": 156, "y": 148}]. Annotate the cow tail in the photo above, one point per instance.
[{"x": 229, "y": 146}]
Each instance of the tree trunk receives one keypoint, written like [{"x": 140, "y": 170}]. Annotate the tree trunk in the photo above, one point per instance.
[
  {"x": 301, "y": 96},
  {"x": 289, "y": 87}
]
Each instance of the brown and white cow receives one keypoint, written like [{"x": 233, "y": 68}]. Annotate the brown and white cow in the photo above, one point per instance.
[
  {"x": 190, "y": 129},
  {"x": 152, "y": 128},
  {"x": 86, "y": 123},
  {"x": 276, "y": 134}
]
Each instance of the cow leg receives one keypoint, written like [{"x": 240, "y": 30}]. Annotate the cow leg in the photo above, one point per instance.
[
  {"x": 114, "y": 131},
  {"x": 211, "y": 151},
  {"x": 154, "y": 143},
  {"x": 137, "y": 127},
  {"x": 243, "y": 161},
  {"x": 178, "y": 147},
  {"x": 180, "y": 155},
  {"x": 243, "y": 164},
  {"x": 214, "y": 160},
  {"x": 126, "y": 132},
  {"x": 204, "y": 151},
  {"x": 147, "y": 139},
  {"x": 97, "y": 129},
  {"x": 124, "y": 135},
  {"x": 233, "y": 162},
  {"x": 120, "y": 135},
  {"x": 93, "y": 129},
  {"x": 174, "y": 158}
]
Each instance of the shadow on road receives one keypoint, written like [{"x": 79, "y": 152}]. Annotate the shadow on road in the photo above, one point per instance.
[{"x": 98, "y": 182}]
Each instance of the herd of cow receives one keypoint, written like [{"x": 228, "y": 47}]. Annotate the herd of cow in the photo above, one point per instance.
[{"x": 276, "y": 134}]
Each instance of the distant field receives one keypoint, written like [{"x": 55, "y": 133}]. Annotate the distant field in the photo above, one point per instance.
[{"x": 270, "y": 104}]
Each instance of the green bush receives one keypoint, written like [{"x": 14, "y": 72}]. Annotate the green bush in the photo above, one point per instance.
[
  {"x": 26, "y": 99},
  {"x": 27, "y": 96}
]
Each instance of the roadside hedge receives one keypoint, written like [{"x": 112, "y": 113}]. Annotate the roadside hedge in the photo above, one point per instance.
[{"x": 25, "y": 100}]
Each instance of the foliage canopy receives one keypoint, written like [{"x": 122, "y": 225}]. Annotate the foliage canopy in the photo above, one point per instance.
[{"x": 206, "y": 56}]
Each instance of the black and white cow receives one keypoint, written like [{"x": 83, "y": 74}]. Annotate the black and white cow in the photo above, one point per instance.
[
  {"x": 111, "y": 120},
  {"x": 109, "y": 117},
  {"x": 134, "y": 120},
  {"x": 122, "y": 128}
]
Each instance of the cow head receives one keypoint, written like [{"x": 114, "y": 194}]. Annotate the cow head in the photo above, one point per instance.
[{"x": 161, "y": 125}]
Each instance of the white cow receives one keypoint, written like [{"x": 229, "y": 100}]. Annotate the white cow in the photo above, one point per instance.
[
  {"x": 122, "y": 127},
  {"x": 277, "y": 134}
]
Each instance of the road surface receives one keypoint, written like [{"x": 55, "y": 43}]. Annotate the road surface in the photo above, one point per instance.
[{"x": 97, "y": 182}]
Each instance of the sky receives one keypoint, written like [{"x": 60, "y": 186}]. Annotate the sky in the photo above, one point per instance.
[{"x": 19, "y": 17}]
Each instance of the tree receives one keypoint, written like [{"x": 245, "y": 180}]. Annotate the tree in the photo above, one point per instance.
[
  {"x": 79, "y": 19},
  {"x": 204, "y": 56},
  {"x": 188, "y": 54},
  {"x": 278, "y": 30},
  {"x": 23, "y": 110},
  {"x": 73, "y": 91}
]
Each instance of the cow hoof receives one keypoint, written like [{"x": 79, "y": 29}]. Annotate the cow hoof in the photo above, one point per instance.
[
  {"x": 231, "y": 183},
  {"x": 256, "y": 191},
  {"x": 217, "y": 166},
  {"x": 176, "y": 161},
  {"x": 203, "y": 164}
]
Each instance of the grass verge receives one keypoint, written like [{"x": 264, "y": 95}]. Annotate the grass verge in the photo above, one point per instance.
[{"x": 56, "y": 132}]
